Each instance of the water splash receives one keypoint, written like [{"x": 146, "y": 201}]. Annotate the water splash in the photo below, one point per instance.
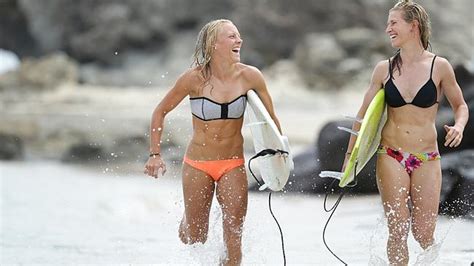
[
  {"x": 376, "y": 248},
  {"x": 213, "y": 251},
  {"x": 428, "y": 256}
]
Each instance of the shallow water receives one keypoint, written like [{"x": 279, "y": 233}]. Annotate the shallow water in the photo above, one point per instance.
[{"x": 59, "y": 214}]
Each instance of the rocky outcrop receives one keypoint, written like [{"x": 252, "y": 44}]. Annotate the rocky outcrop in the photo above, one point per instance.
[
  {"x": 45, "y": 73},
  {"x": 109, "y": 34},
  {"x": 446, "y": 116},
  {"x": 93, "y": 30},
  {"x": 457, "y": 195},
  {"x": 318, "y": 57},
  {"x": 11, "y": 147},
  {"x": 15, "y": 30}
]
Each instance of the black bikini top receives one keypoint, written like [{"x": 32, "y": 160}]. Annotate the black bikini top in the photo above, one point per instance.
[{"x": 426, "y": 97}]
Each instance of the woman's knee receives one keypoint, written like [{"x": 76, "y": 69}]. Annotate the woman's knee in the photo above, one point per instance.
[
  {"x": 193, "y": 232},
  {"x": 423, "y": 235},
  {"x": 423, "y": 228},
  {"x": 233, "y": 221},
  {"x": 234, "y": 213}
]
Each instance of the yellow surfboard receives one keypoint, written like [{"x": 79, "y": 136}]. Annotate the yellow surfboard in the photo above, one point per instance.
[
  {"x": 367, "y": 142},
  {"x": 368, "y": 138}
]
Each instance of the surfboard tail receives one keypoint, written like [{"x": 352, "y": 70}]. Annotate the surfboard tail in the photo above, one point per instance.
[{"x": 332, "y": 174}]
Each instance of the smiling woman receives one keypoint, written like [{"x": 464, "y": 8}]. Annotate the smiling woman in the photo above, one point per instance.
[
  {"x": 408, "y": 163},
  {"x": 217, "y": 85}
]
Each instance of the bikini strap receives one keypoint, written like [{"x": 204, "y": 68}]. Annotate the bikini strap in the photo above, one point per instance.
[
  {"x": 390, "y": 68},
  {"x": 432, "y": 65}
]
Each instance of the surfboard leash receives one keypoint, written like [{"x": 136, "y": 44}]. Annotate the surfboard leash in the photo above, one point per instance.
[
  {"x": 260, "y": 154},
  {"x": 332, "y": 210}
]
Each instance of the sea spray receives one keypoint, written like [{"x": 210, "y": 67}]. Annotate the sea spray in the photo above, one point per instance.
[
  {"x": 377, "y": 243},
  {"x": 213, "y": 251},
  {"x": 418, "y": 256}
]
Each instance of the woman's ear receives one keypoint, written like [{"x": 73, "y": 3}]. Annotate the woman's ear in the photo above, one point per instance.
[{"x": 415, "y": 26}]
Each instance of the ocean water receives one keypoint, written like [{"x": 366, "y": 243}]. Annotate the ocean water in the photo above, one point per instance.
[{"x": 57, "y": 214}]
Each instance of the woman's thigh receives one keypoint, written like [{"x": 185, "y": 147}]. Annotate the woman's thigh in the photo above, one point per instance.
[
  {"x": 393, "y": 183},
  {"x": 425, "y": 192},
  {"x": 232, "y": 193},
  {"x": 198, "y": 191}
]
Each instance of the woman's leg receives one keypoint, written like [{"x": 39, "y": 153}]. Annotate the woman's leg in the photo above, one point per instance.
[
  {"x": 425, "y": 193},
  {"x": 394, "y": 187},
  {"x": 198, "y": 190},
  {"x": 232, "y": 195}
]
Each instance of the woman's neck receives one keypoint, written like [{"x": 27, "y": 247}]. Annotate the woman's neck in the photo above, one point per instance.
[
  {"x": 222, "y": 70},
  {"x": 411, "y": 53}
]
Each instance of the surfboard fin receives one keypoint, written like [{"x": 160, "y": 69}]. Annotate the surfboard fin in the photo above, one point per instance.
[
  {"x": 348, "y": 130},
  {"x": 332, "y": 174},
  {"x": 354, "y": 118},
  {"x": 263, "y": 187},
  {"x": 256, "y": 123}
]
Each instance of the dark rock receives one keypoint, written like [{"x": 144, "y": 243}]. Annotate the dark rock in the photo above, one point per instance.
[
  {"x": 305, "y": 176},
  {"x": 15, "y": 31},
  {"x": 446, "y": 116},
  {"x": 458, "y": 168},
  {"x": 84, "y": 153},
  {"x": 11, "y": 147},
  {"x": 328, "y": 155},
  {"x": 130, "y": 148},
  {"x": 332, "y": 145}
]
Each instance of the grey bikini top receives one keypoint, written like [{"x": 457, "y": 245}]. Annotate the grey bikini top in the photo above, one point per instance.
[{"x": 207, "y": 109}]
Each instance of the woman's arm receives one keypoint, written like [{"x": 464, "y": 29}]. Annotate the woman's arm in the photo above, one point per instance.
[
  {"x": 454, "y": 95},
  {"x": 259, "y": 85},
  {"x": 376, "y": 82},
  {"x": 174, "y": 96}
]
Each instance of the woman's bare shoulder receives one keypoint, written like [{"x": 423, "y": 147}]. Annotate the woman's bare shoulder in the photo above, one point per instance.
[
  {"x": 380, "y": 72},
  {"x": 249, "y": 71}
]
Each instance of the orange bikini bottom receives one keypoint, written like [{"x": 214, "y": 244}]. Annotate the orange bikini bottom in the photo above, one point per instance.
[{"x": 215, "y": 169}]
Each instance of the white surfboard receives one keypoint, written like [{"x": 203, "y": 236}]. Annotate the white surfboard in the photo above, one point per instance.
[{"x": 274, "y": 169}]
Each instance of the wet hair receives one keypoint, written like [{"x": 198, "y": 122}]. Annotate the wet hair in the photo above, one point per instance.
[
  {"x": 413, "y": 11},
  {"x": 204, "y": 45}
]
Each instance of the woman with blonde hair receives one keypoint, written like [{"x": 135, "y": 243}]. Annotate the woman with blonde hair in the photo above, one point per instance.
[
  {"x": 216, "y": 85},
  {"x": 408, "y": 163}
]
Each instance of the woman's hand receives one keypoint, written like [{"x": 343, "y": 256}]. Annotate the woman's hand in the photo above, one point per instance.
[
  {"x": 153, "y": 166},
  {"x": 453, "y": 136}
]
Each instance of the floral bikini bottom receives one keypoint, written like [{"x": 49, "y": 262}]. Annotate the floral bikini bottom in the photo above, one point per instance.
[{"x": 410, "y": 161}]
